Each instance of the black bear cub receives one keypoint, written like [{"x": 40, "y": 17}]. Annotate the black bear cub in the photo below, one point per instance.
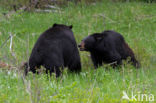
[
  {"x": 55, "y": 49},
  {"x": 108, "y": 47}
]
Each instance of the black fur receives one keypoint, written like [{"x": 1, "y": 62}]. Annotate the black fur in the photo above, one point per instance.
[
  {"x": 108, "y": 47},
  {"x": 56, "y": 48}
]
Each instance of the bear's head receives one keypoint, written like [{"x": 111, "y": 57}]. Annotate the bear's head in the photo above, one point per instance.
[
  {"x": 91, "y": 42},
  {"x": 62, "y": 26}
]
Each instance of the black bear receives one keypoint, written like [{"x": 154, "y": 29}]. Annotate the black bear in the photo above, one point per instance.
[
  {"x": 108, "y": 47},
  {"x": 56, "y": 48}
]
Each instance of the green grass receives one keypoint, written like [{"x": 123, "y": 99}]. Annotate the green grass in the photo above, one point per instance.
[{"x": 135, "y": 21}]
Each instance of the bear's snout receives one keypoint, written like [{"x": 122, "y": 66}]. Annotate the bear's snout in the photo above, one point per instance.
[{"x": 82, "y": 46}]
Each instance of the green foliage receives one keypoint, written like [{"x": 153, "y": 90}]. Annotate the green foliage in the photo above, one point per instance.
[{"x": 137, "y": 23}]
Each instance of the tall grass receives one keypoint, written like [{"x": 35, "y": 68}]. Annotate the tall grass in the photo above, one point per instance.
[{"x": 135, "y": 21}]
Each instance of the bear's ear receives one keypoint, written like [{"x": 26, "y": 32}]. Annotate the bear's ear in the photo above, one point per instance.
[
  {"x": 54, "y": 25},
  {"x": 98, "y": 37},
  {"x": 71, "y": 26}
]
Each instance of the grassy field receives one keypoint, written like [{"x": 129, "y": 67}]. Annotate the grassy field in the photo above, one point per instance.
[{"x": 135, "y": 21}]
